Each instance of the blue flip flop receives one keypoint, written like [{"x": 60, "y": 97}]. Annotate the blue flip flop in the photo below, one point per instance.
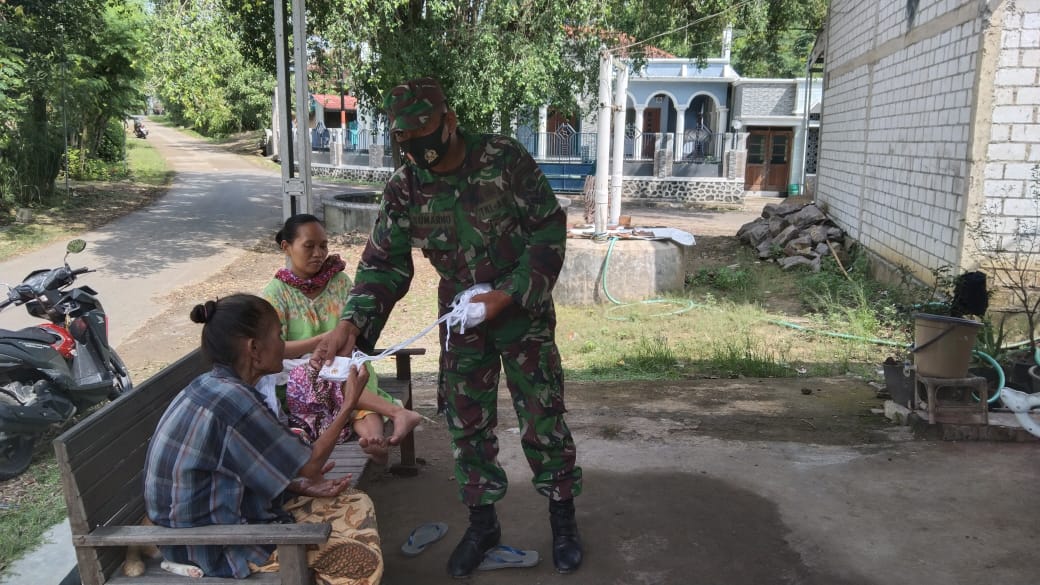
[
  {"x": 504, "y": 557},
  {"x": 422, "y": 537}
]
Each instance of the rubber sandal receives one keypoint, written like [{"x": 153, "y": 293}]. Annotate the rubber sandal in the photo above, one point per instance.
[
  {"x": 504, "y": 557},
  {"x": 422, "y": 537}
]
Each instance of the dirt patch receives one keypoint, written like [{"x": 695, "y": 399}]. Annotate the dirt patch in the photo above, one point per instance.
[
  {"x": 833, "y": 411},
  {"x": 826, "y": 411}
]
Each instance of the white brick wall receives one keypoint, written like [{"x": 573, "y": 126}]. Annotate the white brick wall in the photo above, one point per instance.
[
  {"x": 895, "y": 131},
  {"x": 894, "y": 154},
  {"x": 1015, "y": 135}
]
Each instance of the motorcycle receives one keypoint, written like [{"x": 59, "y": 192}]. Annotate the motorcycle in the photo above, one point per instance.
[
  {"x": 52, "y": 371},
  {"x": 139, "y": 130}
]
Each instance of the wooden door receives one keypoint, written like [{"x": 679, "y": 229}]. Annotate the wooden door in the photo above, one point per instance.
[
  {"x": 651, "y": 127},
  {"x": 768, "y": 160},
  {"x": 562, "y": 134}
]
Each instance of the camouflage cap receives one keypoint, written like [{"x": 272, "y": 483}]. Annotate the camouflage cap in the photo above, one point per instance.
[{"x": 410, "y": 104}]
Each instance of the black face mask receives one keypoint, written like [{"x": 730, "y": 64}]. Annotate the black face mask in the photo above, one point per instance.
[{"x": 428, "y": 150}]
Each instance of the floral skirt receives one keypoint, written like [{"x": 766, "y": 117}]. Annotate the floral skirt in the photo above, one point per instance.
[{"x": 351, "y": 555}]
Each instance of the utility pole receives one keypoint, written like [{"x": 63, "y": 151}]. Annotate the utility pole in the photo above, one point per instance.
[{"x": 296, "y": 184}]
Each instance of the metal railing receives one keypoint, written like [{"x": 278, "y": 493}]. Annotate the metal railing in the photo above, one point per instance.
[
  {"x": 563, "y": 144},
  {"x": 351, "y": 140},
  {"x": 699, "y": 145}
]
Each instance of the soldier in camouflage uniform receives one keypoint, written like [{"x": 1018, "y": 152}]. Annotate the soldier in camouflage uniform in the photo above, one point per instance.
[{"x": 482, "y": 212}]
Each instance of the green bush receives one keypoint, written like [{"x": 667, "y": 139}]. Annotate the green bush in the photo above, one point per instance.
[{"x": 112, "y": 146}]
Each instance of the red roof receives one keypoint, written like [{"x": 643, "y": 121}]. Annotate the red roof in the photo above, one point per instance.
[{"x": 331, "y": 102}]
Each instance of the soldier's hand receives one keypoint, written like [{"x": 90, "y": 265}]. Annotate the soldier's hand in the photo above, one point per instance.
[
  {"x": 495, "y": 302},
  {"x": 339, "y": 341}
]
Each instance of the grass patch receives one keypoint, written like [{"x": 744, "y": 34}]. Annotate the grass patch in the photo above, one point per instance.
[
  {"x": 146, "y": 165},
  {"x": 750, "y": 357},
  {"x": 29, "y": 509}
]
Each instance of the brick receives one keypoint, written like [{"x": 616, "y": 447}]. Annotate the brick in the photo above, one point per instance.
[
  {"x": 1020, "y": 207},
  {"x": 1026, "y": 133},
  {"x": 1028, "y": 95},
  {"x": 1007, "y": 151},
  {"x": 1017, "y": 76},
  {"x": 1011, "y": 39},
  {"x": 1030, "y": 39},
  {"x": 994, "y": 171},
  {"x": 1012, "y": 115},
  {"x": 1019, "y": 171}
]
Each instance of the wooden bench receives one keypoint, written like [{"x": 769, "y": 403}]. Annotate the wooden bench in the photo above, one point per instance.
[{"x": 102, "y": 461}]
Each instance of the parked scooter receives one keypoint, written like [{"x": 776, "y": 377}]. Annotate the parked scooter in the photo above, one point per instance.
[
  {"x": 51, "y": 372},
  {"x": 139, "y": 129}
]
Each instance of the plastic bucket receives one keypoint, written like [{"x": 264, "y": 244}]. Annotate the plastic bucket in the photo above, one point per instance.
[{"x": 942, "y": 345}]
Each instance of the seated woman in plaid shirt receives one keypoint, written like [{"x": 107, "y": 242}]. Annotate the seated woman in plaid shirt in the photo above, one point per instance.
[{"x": 219, "y": 456}]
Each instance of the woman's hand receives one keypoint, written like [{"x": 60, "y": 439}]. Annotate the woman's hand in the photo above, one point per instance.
[{"x": 354, "y": 386}]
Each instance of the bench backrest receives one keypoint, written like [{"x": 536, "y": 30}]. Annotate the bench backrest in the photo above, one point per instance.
[{"x": 102, "y": 461}]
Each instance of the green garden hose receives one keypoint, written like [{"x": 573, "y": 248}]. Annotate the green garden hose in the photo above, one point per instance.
[{"x": 688, "y": 305}]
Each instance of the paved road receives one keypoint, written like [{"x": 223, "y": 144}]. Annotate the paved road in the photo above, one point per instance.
[{"x": 219, "y": 203}]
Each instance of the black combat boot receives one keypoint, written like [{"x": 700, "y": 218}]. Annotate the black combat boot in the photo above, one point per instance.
[
  {"x": 567, "y": 552},
  {"x": 483, "y": 534}
]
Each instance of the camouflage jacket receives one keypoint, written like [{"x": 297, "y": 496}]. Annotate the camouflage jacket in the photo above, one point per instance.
[{"x": 494, "y": 220}]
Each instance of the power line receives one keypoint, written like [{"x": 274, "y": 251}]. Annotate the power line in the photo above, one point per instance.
[{"x": 683, "y": 27}]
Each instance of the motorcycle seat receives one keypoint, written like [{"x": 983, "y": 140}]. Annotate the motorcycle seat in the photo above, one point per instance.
[{"x": 29, "y": 334}]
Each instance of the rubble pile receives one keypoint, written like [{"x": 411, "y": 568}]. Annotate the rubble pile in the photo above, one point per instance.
[{"x": 794, "y": 235}]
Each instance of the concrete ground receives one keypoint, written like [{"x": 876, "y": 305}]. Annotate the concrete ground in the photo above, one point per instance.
[{"x": 669, "y": 499}]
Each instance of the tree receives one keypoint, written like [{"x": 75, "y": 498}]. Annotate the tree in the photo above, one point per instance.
[
  {"x": 507, "y": 57},
  {"x": 43, "y": 34},
  {"x": 771, "y": 39},
  {"x": 73, "y": 67},
  {"x": 198, "y": 72}
]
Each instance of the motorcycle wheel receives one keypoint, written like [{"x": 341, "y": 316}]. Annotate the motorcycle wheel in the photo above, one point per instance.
[
  {"x": 15, "y": 454},
  {"x": 121, "y": 383}
]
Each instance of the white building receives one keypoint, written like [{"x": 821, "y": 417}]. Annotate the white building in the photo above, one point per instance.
[{"x": 930, "y": 119}]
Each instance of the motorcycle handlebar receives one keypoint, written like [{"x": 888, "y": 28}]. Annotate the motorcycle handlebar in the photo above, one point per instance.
[{"x": 79, "y": 271}]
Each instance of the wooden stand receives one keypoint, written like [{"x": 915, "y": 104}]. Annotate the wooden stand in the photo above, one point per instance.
[{"x": 954, "y": 400}]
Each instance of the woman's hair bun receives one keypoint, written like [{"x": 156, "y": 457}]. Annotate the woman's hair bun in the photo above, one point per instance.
[{"x": 204, "y": 312}]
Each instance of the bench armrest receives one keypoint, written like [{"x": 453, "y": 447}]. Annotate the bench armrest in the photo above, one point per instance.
[{"x": 245, "y": 534}]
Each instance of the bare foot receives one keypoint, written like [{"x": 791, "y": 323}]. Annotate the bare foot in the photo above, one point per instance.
[
  {"x": 376, "y": 449},
  {"x": 405, "y": 422}
]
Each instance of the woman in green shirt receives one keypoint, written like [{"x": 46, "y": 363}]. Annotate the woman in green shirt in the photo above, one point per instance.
[{"x": 309, "y": 296}]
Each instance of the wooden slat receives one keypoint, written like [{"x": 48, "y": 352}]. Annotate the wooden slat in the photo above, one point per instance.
[
  {"x": 292, "y": 565},
  {"x": 220, "y": 534},
  {"x": 110, "y": 493},
  {"x": 97, "y": 430}
]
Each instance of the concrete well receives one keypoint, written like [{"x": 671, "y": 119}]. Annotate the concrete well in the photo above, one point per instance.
[
  {"x": 638, "y": 270},
  {"x": 350, "y": 212}
]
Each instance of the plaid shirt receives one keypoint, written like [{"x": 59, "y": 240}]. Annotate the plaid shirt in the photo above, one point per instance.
[{"x": 219, "y": 456}]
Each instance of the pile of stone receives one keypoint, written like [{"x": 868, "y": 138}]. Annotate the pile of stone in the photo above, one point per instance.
[{"x": 794, "y": 234}]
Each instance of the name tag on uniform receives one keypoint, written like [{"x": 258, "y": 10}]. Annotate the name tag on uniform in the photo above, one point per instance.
[
  {"x": 493, "y": 207},
  {"x": 433, "y": 219}
]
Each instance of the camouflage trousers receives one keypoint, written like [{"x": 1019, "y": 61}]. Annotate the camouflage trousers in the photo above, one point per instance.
[
  {"x": 524, "y": 347},
  {"x": 351, "y": 555}
]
